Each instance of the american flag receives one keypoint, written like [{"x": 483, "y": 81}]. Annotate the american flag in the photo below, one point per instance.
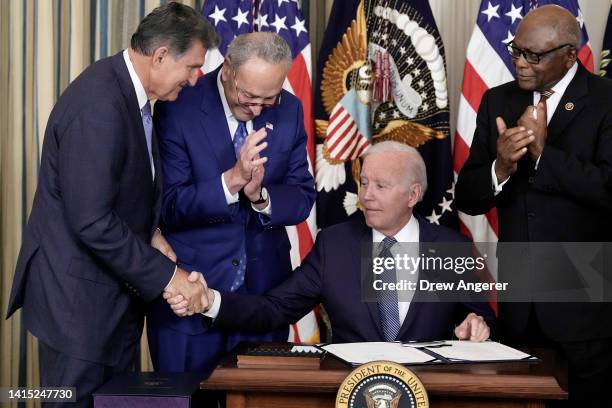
[
  {"x": 347, "y": 135},
  {"x": 233, "y": 17},
  {"x": 488, "y": 64}
]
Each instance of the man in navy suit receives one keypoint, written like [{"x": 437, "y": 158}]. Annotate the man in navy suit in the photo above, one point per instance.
[
  {"x": 233, "y": 151},
  {"x": 393, "y": 180},
  {"x": 91, "y": 253}
]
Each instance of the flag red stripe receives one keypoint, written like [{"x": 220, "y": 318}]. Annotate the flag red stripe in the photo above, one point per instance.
[
  {"x": 461, "y": 152},
  {"x": 335, "y": 114},
  {"x": 585, "y": 55},
  {"x": 305, "y": 238},
  {"x": 349, "y": 133},
  {"x": 300, "y": 82},
  {"x": 363, "y": 147},
  {"x": 355, "y": 146},
  {"x": 473, "y": 86},
  {"x": 492, "y": 218},
  {"x": 341, "y": 136}
]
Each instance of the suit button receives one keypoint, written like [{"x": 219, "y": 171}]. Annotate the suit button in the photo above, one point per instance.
[
  {"x": 235, "y": 262},
  {"x": 531, "y": 215},
  {"x": 531, "y": 180}
]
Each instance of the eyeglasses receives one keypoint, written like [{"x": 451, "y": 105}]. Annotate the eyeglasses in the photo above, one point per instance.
[
  {"x": 248, "y": 100},
  {"x": 531, "y": 57}
]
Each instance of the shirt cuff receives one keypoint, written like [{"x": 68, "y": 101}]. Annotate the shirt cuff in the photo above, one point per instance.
[
  {"x": 213, "y": 311},
  {"x": 497, "y": 187},
  {"x": 229, "y": 197},
  {"x": 173, "y": 273},
  {"x": 537, "y": 162},
  {"x": 267, "y": 210}
]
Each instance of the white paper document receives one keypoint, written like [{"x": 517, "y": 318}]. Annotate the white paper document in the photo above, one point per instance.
[
  {"x": 361, "y": 353},
  {"x": 444, "y": 351},
  {"x": 458, "y": 350}
]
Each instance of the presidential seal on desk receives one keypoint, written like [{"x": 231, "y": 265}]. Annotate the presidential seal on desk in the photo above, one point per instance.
[{"x": 382, "y": 384}]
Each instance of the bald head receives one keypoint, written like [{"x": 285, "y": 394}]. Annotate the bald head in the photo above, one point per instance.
[
  {"x": 545, "y": 47},
  {"x": 553, "y": 20}
]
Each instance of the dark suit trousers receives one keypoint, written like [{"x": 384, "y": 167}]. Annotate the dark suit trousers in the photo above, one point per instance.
[
  {"x": 589, "y": 364},
  {"x": 58, "y": 369}
]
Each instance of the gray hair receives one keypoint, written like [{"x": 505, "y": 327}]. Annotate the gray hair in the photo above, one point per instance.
[
  {"x": 267, "y": 46},
  {"x": 415, "y": 166}
]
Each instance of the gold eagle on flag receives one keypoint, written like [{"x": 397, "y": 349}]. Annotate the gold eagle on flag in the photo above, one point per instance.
[{"x": 347, "y": 82}]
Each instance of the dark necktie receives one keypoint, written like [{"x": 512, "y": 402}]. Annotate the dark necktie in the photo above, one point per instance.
[
  {"x": 147, "y": 123},
  {"x": 239, "y": 137},
  {"x": 544, "y": 95},
  {"x": 388, "y": 307}
]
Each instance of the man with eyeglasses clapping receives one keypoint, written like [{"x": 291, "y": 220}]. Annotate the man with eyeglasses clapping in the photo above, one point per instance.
[
  {"x": 233, "y": 149},
  {"x": 542, "y": 154}
]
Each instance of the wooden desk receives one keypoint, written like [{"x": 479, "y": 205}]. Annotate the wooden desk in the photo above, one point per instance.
[{"x": 459, "y": 385}]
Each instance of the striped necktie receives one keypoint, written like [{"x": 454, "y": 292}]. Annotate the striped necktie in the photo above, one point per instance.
[
  {"x": 388, "y": 307},
  {"x": 544, "y": 95}
]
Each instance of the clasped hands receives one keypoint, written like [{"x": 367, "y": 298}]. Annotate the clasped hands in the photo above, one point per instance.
[
  {"x": 248, "y": 172},
  {"x": 529, "y": 136},
  {"x": 190, "y": 288},
  {"x": 181, "y": 304},
  {"x": 190, "y": 291}
]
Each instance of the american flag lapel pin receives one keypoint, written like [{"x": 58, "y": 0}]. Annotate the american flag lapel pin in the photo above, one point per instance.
[{"x": 269, "y": 126}]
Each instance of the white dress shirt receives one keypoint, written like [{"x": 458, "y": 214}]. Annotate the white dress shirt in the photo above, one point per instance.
[
  {"x": 551, "y": 105},
  {"x": 408, "y": 234},
  {"x": 141, "y": 94}
]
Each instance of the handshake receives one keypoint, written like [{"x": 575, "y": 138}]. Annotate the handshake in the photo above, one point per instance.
[{"x": 188, "y": 294}]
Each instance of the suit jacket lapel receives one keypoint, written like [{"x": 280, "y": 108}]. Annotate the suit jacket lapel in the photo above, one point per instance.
[
  {"x": 518, "y": 102},
  {"x": 572, "y": 97},
  {"x": 131, "y": 101},
  {"x": 214, "y": 123},
  {"x": 267, "y": 119}
]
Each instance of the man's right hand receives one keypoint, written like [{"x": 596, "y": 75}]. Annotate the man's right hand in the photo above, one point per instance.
[
  {"x": 192, "y": 288},
  {"x": 511, "y": 146},
  {"x": 179, "y": 304},
  {"x": 239, "y": 175}
]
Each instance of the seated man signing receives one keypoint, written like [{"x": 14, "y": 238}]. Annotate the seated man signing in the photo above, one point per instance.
[{"x": 393, "y": 180}]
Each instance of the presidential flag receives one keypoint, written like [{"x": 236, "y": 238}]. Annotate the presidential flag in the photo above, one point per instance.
[
  {"x": 382, "y": 77},
  {"x": 233, "y": 17},
  {"x": 489, "y": 64},
  {"x": 605, "y": 69}
]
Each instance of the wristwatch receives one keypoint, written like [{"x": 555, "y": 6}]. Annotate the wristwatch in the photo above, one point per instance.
[{"x": 263, "y": 196}]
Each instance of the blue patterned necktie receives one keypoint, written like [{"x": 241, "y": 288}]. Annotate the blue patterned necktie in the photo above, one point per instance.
[
  {"x": 147, "y": 123},
  {"x": 239, "y": 137},
  {"x": 241, "y": 269},
  {"x": 388, "y": 307}
]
